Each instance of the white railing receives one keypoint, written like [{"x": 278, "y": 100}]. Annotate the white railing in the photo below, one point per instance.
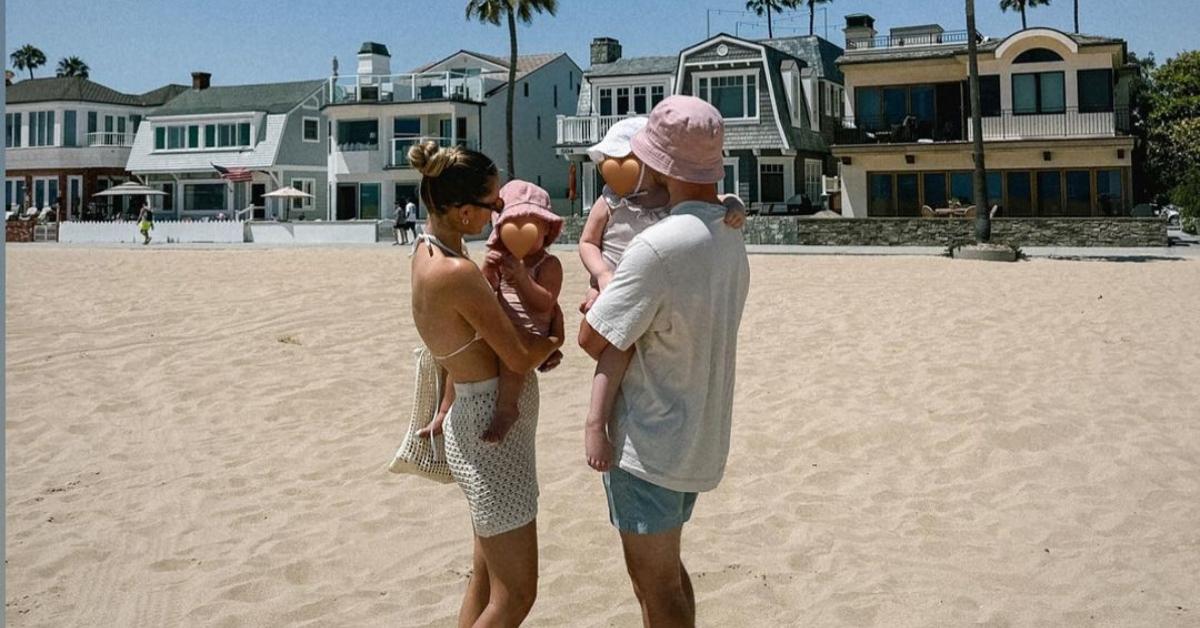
[
  {"x": 398, "y": 157},
  {"x": 110, "y": 139},
  {"x": 401, "y": 88},
  {"x": 585, "y": 129}
]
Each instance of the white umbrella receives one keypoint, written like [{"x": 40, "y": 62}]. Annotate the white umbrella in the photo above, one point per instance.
[
  {"x": 288, "y": 192},
  {"x": 131, "y": 188}
]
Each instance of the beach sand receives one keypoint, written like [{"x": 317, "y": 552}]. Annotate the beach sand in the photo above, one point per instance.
[{"x": 199, "y": 438}]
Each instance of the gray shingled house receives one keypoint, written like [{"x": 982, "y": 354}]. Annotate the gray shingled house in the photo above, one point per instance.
[
  {"x": 267, "y": 135},
  {"x": 781, "y": 99}
]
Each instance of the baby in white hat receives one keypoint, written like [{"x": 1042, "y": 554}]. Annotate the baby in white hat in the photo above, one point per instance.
[{"x": 629, "y": 203}]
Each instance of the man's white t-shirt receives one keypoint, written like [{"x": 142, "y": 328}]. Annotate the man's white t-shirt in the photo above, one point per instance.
[
  {"x": 678, "y": 294},
  {"x": 410, "y": 212}
]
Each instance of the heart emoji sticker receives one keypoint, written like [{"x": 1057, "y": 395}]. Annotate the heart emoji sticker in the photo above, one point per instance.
[
  {"x": 520, "y": 238},
  {"x": 621, "y": 174}
]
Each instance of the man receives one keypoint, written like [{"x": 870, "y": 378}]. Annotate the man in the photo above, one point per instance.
[
  {"x": 677, "y": 296},
  {"x": 398, "y": 223},
  {"x": 410, "y": 218}
]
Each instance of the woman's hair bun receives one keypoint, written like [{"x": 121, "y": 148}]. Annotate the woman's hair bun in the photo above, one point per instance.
[{"x": 429, "y": 159}]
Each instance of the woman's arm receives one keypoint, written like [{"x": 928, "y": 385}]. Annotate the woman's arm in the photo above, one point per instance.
[
  {"x": 591, "y": 243},
  {"x": 520, "y": 350},
  {"x": 541, "y": 294}
]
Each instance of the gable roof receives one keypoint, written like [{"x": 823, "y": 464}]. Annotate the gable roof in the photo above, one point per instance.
[
  {"x": 525, "y": 63},
  {"x": 821, "y": 55},
  {"x": 266, "y": 97},
  {"x": 74, "y": 88}
]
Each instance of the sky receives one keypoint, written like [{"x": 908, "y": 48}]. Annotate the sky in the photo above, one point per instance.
[{"x": 138, "y": 45}]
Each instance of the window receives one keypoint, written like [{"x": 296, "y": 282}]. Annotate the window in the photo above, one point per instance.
[
  {"x": 1079, "y": 192},
  {"x": 244, "y": 134},
  {"x": 193, "y": 136},
  {"x": 41, "y": 128},
  {"x": 641, "y": 104},
  {"x": 556, "y": 97},
  {"x": 406, "y": 127},
  {"x": 92, "y": 122},
  {"x": 1049, "y": 193},
  {"x": 539, "y": 127},
  {"x": 656, "y": 95},
  {"x": 368, "y": 201},
  {"x": 1109, "y": 197},
  {"x": 69, "y": 128},
  {"x": 121, "y": 126},
  {"x": 203, "y": 196},
  {"x": 160, "y": 138},
  {"x": 354, "y": 135},
  {"x": 729, "y": 185},
  {"x": 12, "y": 130},
  {"x": 1041, "y": 92},
  {"x": 866, "y": 109},
  {"x": 908, "y": 203},
  {"x": 1020, "y": 194},
  {"x": 989, "y": 95},
  {"x": 622, "y": 100},
  {"x": 962, "y": 187},
  {"x": 1037, "y": 55},
  {"x": 311, "y": 129},
  {"x": 210, "y": 135},
  {"x": 306, "y": 186},
  {"x": 606, "y": 105},
  {"x": 231, "y": 135},
  {"x": 174, "y": 137},
  {"x": 771, "y": 182},
  {"x": 827, "y": 105},
  {"x": 879, "y": 199},
  {"x": 527, "y": 90},
  {"x": 935, "y": 189},
  {"x": 135, "y": 121},
  {"x": 895, "y": 104},
  {"x": 735, "y": 96},
  {"x": 1095, "y": 90},
  {"x": 109, "y": 124},
  {"x": 812, "y": 180}
]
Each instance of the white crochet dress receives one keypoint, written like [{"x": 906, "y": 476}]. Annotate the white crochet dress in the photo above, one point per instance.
[{"x": 499, "y": 480}]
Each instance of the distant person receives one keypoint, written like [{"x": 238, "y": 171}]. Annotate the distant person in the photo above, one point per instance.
[
  {"x": 398, "y": 230},
  {"x": 410, "y": 217},
  {"x": 145, "y": 223}
]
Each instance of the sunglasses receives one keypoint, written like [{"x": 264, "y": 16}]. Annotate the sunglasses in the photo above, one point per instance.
[{"x": 497, "y": 207}]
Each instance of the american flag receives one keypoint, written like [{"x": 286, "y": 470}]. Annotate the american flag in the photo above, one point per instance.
[{"x": 233, "y": 174}]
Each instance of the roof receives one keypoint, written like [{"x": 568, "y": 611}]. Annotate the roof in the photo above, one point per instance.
[
  {"x": 950, "y": 50},
  {"x": 373, "y": 48},
  {"x": 635, "y": 65},
  {"x": 267, "y": 97},
  {"x": 525, "y": 63},
  {"x": 820, "y": 55},
  {"x": 76, "y": 88}
]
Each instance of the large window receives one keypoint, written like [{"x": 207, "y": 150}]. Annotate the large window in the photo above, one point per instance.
[
  {"x": 1020, "y": 194},
  {"x": 1079, "y": 192},
  {"x": 193, "y": 136},
  {"x": 962, "y": 188},
  {"x": 1049, "y": 193},
  {"x": 368, "y": 201},
  {"x": 735, "y": 96},
  {"x": 606, "y": 102},
  {"x": 1040, "y": 92},
  {"x": 935, "y": 189},
  {"x": 1109, "y": 197},
  {"x": 908, "y": 200},
  {"x": 641, "y": 103},
  {"x": 989, "y": 95},
  {"x": 12, "y": 130},
  {"x": 69, "y": 128},
  {"x": 879, "y": 199},
  {"x": 14, "y": 193},
  {"x": 623, "y": 100},
  {"x": 41, "y": 128},
  {"x": 355, "y": 135},
  {"x": 175, "y": 137},
  {"x": 1095, "y": 90},
  {"x": 204, "y": 196}
]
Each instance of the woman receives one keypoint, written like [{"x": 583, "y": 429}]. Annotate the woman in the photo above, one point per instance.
[{"x": 460, "y": 320}]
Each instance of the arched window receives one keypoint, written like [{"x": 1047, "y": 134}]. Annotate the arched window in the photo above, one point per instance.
[{"x": 1037, "y": 55}]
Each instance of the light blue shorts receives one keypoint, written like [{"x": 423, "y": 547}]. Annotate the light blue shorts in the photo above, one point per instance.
[{"x": 640, "y": 507}]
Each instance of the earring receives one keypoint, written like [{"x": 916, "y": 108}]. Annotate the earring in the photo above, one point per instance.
[{"x": 466, "y": 220}]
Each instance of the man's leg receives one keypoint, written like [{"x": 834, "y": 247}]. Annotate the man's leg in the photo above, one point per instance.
[{"x": 659, "y": 579}]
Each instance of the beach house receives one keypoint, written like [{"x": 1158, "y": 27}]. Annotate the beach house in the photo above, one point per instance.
[
  {"x": 1056, "y": 124},
  {"x": 375, "y": 115},
  {"x": 780, "y": 98},
  {"x": 216, "y": 150},
  {"x": 68, "y": 138}
]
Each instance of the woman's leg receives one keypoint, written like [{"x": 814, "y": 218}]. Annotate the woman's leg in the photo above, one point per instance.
[
  {"x": 478, "y": 590},
  {"x": 512, "y": 564}
]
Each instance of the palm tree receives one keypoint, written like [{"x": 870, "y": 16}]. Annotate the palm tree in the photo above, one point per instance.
[
  {"x": 490, "y": 12},
  {"x": 1021, "y": 5},
  {"x": 28, "y": 57},
  {"x": 768, "y": 7},
  {"x": 983, "y": 218},
  {"x": 812, "y": 12},
  {"x": 72, "y": 66}
]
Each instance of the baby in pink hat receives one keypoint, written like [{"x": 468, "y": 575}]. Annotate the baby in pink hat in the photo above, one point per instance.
[
  {"x": 629, "y": 203},
  {"x": 525, "y": 276}
]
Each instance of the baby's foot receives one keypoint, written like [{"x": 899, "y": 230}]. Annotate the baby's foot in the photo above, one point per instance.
[
  {"x": 599, "y": 450},
  {"x": 501, "y": 423}
]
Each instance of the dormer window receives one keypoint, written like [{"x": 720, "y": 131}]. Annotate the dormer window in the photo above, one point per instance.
[
  {"x": 735, "y": 95},
  {"x": 1038, "y": 55}
]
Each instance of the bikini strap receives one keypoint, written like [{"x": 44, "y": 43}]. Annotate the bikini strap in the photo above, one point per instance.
[
  {"x": 432, "y": 241},
  {"x": 472, "y": 341}
]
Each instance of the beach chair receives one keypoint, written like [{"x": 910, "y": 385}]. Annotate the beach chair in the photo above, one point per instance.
[
  {"x": 927, "y": 212},
  {"x": 969, "y": 212}
]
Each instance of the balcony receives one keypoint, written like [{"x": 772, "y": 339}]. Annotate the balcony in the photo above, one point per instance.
[
  {"x": 109, "y": 139},
  {"x": 1005, "y": 125},
  {"x": 398, "y": 155},
  {"x": 405, "y": 88},
  {"x": 585, "y": 130},
  {"x": 912, "y": 40}
]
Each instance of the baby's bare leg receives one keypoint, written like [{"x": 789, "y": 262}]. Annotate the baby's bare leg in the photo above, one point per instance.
[{"x": 507, "y": 412}]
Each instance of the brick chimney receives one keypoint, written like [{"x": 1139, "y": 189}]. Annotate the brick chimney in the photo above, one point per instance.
[
  {"x": 605, "y": 50},
  {"x": 200, "y": 80}
]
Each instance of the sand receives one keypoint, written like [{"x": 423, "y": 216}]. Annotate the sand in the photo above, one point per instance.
[{"x": 199, "y": 438}]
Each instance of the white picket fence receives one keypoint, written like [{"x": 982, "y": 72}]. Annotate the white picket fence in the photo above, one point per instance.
[{"x": 222, "y": 232}]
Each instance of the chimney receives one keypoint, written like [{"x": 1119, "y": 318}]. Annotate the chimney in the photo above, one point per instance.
[
  {"x": 200, "y": 80},
  {"x": 605, "y": 50},
  {"x": 373, "y": 58},
  {"x": 860, "y": 31}
]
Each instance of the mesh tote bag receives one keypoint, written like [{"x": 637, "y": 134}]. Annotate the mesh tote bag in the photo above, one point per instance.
[{"x": 417, "y": 455}]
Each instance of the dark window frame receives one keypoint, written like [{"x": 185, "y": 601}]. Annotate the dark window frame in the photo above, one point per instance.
[{"x": 1037, "y": 93}]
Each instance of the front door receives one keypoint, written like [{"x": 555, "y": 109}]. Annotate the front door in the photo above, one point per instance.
[
  {"x": 347, "y": 201},
  {"x": 256, "y": 194}
]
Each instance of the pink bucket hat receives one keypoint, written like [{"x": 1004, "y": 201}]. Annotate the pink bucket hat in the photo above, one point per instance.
[
  {"x": 683, "y": 140},
  {"x": 523, "y": 199}
]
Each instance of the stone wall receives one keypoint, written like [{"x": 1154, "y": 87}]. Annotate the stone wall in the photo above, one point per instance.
[
  {"x": 1022, "y": 232},
  {"x": 18, "y": 231}
]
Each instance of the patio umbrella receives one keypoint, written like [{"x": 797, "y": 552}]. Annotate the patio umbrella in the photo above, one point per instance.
[
  {"x": 130, "y": 188},
  {"x": 288, "y": 192}
]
